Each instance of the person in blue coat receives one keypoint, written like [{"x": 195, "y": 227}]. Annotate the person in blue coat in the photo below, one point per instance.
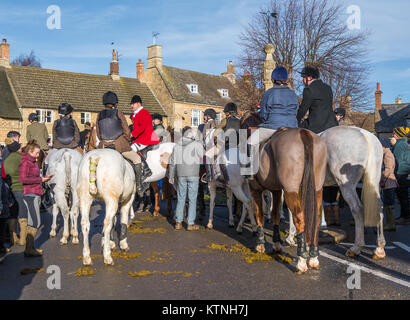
[{"x": 278, "y": 108}]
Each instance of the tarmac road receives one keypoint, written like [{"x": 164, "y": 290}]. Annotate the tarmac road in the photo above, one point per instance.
[{"x": 208, "y": 264}]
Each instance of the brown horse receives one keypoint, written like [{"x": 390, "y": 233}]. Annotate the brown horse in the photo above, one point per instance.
[{"x": 292, "y": 160}]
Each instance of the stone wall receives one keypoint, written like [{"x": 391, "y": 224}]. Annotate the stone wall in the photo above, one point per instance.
[
  {"x": 183, "y": 113},
  {"x": 7, "y": 125}
]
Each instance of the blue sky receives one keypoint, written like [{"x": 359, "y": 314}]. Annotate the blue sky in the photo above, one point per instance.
[{"x": 196, "y": 35}]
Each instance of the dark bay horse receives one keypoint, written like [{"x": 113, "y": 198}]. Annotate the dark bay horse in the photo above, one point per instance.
[{"x": 292, "y": 160}]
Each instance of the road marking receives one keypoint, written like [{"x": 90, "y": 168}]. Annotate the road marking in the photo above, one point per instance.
[
  {"x": 365, "y": 269},
  {"x": 368, "y": 246},
  {"x": 403, "y": 246}
]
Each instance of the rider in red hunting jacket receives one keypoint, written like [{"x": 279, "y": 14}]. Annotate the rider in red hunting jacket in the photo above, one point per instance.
[{"x": 143, "y": 134}]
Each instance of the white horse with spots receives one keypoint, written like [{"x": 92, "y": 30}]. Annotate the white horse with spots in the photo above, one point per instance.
[
  {"x": 63, "y": 165},
  {"x": 105, "y": 175}
]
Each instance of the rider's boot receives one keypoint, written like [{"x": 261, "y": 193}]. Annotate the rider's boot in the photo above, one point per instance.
[
  {"x": 146, "y": 171},
  {"x": 141, "y": 187}
]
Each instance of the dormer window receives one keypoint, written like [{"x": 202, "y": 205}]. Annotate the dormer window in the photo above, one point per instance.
[
  {"x": 193, "y": 88},
  {"x": 224, "y": 93}
]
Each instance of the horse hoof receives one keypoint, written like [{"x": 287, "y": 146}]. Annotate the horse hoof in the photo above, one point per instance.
[
  {"x": 63, "y": 242},
  {"x": 299, "y": 272},
  {"x": 379, "y": 254},
  {"x": 112, "y": 245},
  {"x": 52, "y": 234},
  {"x": 260, "y": 248},
  {"x": 75, "y": 241},
  {"x": 290, "y": 242},
  {"x": 155, "y": 214},
  {"x": 87, "y": 261},
  {"x": 314, "y": 264},
  {"x": 109, "y": 262},
  {"x": 209, "y": 226},
  {"x": 350, "y": 253},
  {"x": 277, "y": 247}
]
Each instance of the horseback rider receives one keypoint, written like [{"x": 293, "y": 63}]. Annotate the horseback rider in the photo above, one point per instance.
[
  {"x": 65, "y": 132},
  {"x": 37, "y": 131},
  {"x": 142, "y": 134},
  {"x": 113, "y": 132},
  {"x": 230, "y": 127},
  {"x": 159, "y": 129},
  {"x": 206, "y": 130},
  {"x": 278, "y": 109},
  {"x": 318, "y": 100},
  {"x": 340, "y": 115}
]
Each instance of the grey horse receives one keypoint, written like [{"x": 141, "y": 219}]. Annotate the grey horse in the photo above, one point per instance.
[{"x": 354, "y": 155}]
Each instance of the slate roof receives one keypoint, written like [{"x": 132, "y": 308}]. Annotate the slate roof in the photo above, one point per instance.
[
  {"x": 396, "y": 119},
  {"x": 390, "y": 109},
  {"x": 8, "y": 104},
  {"x": 208, "y": 85},
  {"x": 43, "y": 88}
]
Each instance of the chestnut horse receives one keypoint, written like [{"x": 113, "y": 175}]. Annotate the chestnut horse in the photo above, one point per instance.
[{"x": 292, "y": 160}]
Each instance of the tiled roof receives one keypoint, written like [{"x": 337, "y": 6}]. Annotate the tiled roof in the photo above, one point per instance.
[
  {"x": 363, "y": 120},
  {"x": 44, "y": 88},
  {"x": 8, "y": 104},
  {"x": 397, "y": 119},
  {"x": 208, "y": 85}
]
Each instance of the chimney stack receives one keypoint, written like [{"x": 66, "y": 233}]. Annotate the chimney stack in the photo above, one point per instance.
[
  {"x": 398, "y": 101},
  {"x": 155, "y": 56},
  {"x": 115, "y": 66},
  {"x": 230, "y": 73},
  {"x": 4, "y": 54},
  {"x": 140, "y": 71},
  {"x": 378, "y": 104}
]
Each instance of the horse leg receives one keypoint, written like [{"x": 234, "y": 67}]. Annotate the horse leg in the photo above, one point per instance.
[
  {"x": 212, "y": 191},
  {"x": 229, "y": 203},
  {"x": 110, "y": 212},
  {"x": 314, "y": 252},
  {"x": 292, "y": 231},
  {"x": 74, "y": 218},
  {"x": 293, "y": 203},
  {"x": 250, "y": 208},
  {"x": 260, "y": 242},
  {"x": 112, "y": 234},
  {"x": 125, "y": 209},
  {"x": 155, "y": 189},
  {"x": 379, "y": 253},
  {"x": 62, "y": 203},
  {"x": 85, "y": 205},
  {"x": 350, "y": 196},
  {"x": 54, "y": 224},
  {"x": 275, "y": 216}
]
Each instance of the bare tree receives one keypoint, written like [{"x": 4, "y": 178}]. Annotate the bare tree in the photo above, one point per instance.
[
  {"x": 27, "y": 60},
  {"x": 246, "y": 93},
  {"x": 310, "y": 32}
]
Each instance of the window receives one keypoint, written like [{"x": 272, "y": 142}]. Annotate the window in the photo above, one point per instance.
[
  {"x": 85, "y": 117},
  {"x": 195, "y": 118},
  {"x": 193, "y": 88},
  {"x": 224, "y": 93},
  {"x": 44, "y": 116}
]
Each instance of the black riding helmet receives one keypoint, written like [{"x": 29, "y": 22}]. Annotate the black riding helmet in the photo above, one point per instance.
[
  {"x": 65, "y": 109},
  {"x": 210, "y": 113},
  {"x": 310, "y": 71},
  {"x": 157, "y": 116},
  {"x": 231, "y": 107},
  {"x": 340, "y": 112},
  {"x": 33, "y": 117},
  {"x": 110, "y": 98}
]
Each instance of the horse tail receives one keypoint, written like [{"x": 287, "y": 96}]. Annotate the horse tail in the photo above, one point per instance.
[
  {"x": 93, "y": 175},
  {"x": 308, "y": 188},
  {"x": 370, "y": 192},
  {"x": 67, "y": 162}
]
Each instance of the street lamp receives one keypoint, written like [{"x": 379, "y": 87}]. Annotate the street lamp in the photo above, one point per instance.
[{"x": 269, "y": 15}]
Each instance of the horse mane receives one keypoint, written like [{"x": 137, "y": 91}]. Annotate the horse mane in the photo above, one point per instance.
[{"x": 250, "y": 119}]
